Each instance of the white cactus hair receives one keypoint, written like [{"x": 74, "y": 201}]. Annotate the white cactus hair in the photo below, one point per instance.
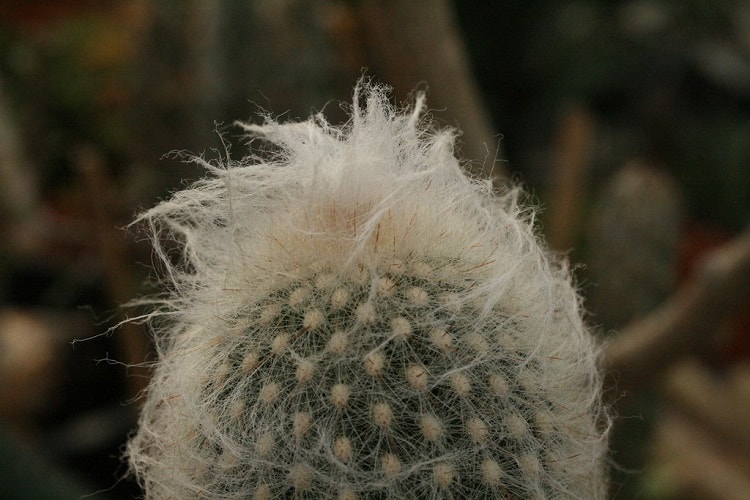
[{"x": 356, "y": 318}]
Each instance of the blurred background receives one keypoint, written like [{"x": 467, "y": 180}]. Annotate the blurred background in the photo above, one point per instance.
[{"x": 627, "y": 121}]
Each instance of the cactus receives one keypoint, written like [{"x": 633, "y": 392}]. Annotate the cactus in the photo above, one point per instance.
[{"x": 354, "y": 318}]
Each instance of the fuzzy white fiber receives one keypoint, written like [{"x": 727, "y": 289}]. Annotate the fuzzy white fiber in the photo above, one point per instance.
[{"x": 354, "y": 318}]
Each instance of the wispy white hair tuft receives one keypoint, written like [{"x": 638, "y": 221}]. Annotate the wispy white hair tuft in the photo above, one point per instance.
[{"x": 353, "y": 317}]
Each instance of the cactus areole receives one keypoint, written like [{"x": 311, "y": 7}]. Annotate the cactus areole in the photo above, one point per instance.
[{"x": 350, "y": 316}]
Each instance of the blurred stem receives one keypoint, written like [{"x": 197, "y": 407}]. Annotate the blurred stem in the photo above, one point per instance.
[
  {"x": 576, "y": 136},
  {"x": 418, "y": 42},
  {"x": 701, "y": 469},
  {"x": 19, "y": 195},
  {"x": 692, "y": 390},
  {"x": 687, "y": 321}
]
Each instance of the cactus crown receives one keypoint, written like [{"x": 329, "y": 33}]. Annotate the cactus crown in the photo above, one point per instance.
[{"x": 355, "y": 318}]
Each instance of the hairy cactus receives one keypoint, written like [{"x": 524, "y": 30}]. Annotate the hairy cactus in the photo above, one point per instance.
[{"x": 356, "y": 319}]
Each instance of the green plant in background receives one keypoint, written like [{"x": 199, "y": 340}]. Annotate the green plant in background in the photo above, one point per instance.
[{"x": 352, "y": 317}]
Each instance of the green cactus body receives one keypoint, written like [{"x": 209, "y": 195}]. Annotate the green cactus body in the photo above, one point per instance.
[{"x": 364, "y": 358}]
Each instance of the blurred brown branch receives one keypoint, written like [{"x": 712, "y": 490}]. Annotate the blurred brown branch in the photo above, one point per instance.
[
  {"x": 696, "y": 393},
  {"x": 702, "y": 440},
  {"x": 16, "y": 178},
  {"x": 701, "y": 469},
  {"x": 418, "y": 41},
  {"x": 687, "y": 321},
  {"x": 574, "y": 143}
]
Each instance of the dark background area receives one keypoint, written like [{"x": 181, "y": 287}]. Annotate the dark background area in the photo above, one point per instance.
[{"x": 628, "y": 123}]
